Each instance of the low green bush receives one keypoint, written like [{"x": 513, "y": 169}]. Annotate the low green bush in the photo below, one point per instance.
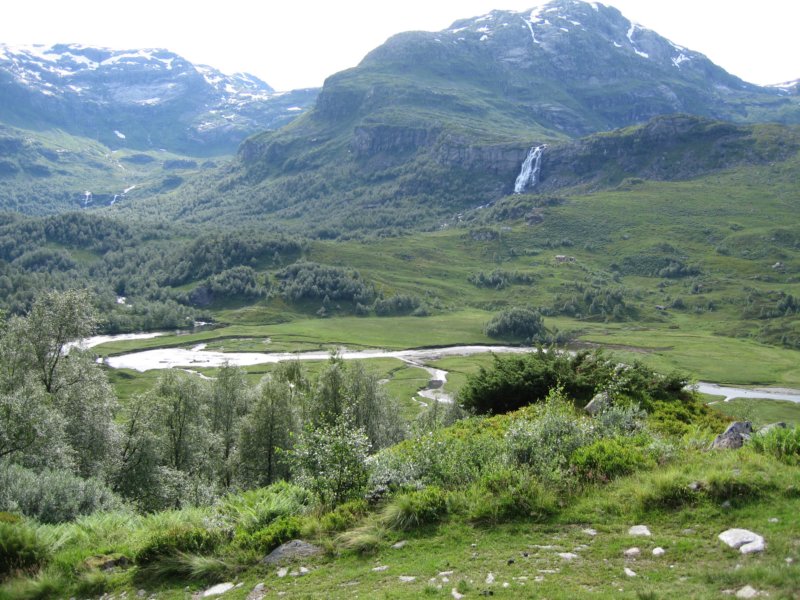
[
  {"x": 250, "y": 511},
  {"x": 606, "y": 459},
  {"x": 281, "y": 530},
  {"x": 20, "y": 550},
  {"x": 343, "y": 516},
  {"x": 177, "y": 540},
  {"x": 783, "y": 444},
  {"x": 509, "y": 494},
  {"x": 412, "y": 509}
]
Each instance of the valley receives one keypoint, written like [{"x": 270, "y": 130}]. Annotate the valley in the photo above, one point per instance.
[{"x": 463, "y": 320}]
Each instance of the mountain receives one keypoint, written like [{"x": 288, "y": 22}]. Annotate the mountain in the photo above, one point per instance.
[
  {"x": 431, "y": 124},
  {"x": 139, "y": 99}
]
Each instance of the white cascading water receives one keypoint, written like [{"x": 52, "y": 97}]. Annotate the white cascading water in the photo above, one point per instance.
[{"x": 529, "y": 173}]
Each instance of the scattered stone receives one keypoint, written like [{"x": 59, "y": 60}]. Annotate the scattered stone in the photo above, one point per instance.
[
  {"x": 445, "y": 573},
  {"x": 767, "y": 428},
  {"x": 597, "y": 404},
  {"x": 539, "y": 578},
  {"x": 688, "y": 531},
  {"x": 258, "y": 592},
  {"x": 726, "y": 504},
  {"x": 734, "y": 436},
  {"x": 639, "y": 530},
  {"x": 748, "y": 592},
  {"x": 141, "y": 593},
  {"x": 549, "y": 571},
  {"x": 568, "y": 555},
  {"x": 696, "y": 486},
  {"x": 591, "y": 532},
  {"x": 490, "y": 579},
  {"x": 632, "y": 552},
  {"x": 218, "y": 590},
  {"x": 291, "y": 551},
  {"x": 789, "y": 560},
  {"x": 380, "y": 569},
  {"x": 407, "y": 578},
  {"x": 455, "y": 594},
  {"x": 399, "y": 545},
  {"x": 304, "y": 571},
  {"x": 629, "y": 572},
  {"x": 510, "y": 561},
  {"x": 283, "y": 572},
  {"x": 506, "y": 585},
  {"x": 659, "y": 551},
  {"x": 774, "y": 520},
  {"x": 746, "y": 541}
]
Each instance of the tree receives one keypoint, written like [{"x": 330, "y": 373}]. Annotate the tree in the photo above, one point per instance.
[
  {"x": 268, "y": 434},
  {"x": 331, "y": 461},
  {"x": 56, "y": 319},
  {"x": 230, "y": 399}
]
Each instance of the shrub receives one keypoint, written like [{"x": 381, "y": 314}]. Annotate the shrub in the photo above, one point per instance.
[
  {"x": 281, "y": 530},
  {"x": 520, "y": 323},
  {"x": 618, "y": 419},
  {"x": 20, "y": 549},
  {"x": 509, "y": 494},
  {"x": 606, "y": 459},
  {"x": 783, "y": 444},
  {"x": 343, "y": 516},
  {"x": 400, "y": 304},
  {"x": 546, "y": 442},
  {"x": 53, "y": 496},
  {"x": 250, "y": 511},
  {"x": 412, "y": 509},
  {"x": 171, "y": 542}
]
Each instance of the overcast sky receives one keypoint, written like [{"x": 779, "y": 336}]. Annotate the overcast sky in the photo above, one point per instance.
[{"x": 297, "y": 43}]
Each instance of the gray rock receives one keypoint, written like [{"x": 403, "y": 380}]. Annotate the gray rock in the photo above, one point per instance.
[
  {"x": 748, "y": 592},
  {"x": 380, "y": 568},
  {"x": 291, "y": 551},
  {"x": 767, "y": 428},
  {"x": 399, "y": 545},
  {"x": 407, "y": 578},
  {"x": 630, "y": 572},
  {"x": 659, "y": 551},
  {"x": 258, "y": 592},
  {"x": 734, "y": 436},
  {"x": 632, "y": 552},
  {"x": 591, "y": 532},
  {"x": 742, "y": 539},
  {"x": 568, "y": 555},
  {"x": 601, "y": 401},
  {"x": 639, "y": 530},
  {"x": 218, "y": 590}
]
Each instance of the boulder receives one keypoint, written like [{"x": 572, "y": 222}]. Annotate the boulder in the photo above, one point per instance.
[
  {"x": 291, "y": 551},
  {"x": 743, "y": 540},
  {"x": 734, "y": 436},
  {"x": 600, "y": 402}
]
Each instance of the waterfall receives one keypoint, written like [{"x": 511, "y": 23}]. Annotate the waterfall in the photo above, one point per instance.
[{"x": 529, "y": 173}]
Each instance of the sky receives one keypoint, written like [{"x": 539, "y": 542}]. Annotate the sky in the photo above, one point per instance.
[{"x": 292, "y": 44}]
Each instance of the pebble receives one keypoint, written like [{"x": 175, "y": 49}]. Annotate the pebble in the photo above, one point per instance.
[
  {"x": 380, "y": 568},
  {"x": 748, "y": 592},
  {"x": 407, "y": 578},
  {"x": 455, "y": 594},
  {"x": 639, "y": 530},
  {"x": 490, "y": 579},
  {"x": 283, "y": 571},
  {"x": 399, "y": 545},
  {"x": 568, "y": 555},
  {"x": 445, "y": 573},
  {"x": 304, "y": 571},
  {"x": 629, "y": 572},
  {"x": 774, "y": 520},
  {"x": 218, "y": 589},
  {"x": 631, "y": 552},
  {"x": 659, "y": 551}
]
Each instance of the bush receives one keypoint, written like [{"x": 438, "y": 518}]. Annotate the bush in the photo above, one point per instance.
[
  {"x": 53, "y": 496},
  {"x": 783, "y": 444},
  {"x": 401, "y": 304},
  {"x": 546, "y": 442},
  {"x": 344, "y": 516},
  {"x": 281, "y": 530},
  {"x": 509, "y": 494},
  {"x": 618, "y": 419},
  {"x": 519, "y": 323},
  {"x": 250, "y": 511},
  {"x": 171, "y": 542},
  {"x": 607, "y": 459},
  {"x": 412, "y": 509},
  {"x": 20, "y": 550}
]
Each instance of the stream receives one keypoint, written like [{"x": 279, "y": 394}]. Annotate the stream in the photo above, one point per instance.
[{"x": 199, "y": 357}]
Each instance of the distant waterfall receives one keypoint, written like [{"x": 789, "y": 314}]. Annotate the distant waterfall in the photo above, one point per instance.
[{"x": 529, "y": 174}]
